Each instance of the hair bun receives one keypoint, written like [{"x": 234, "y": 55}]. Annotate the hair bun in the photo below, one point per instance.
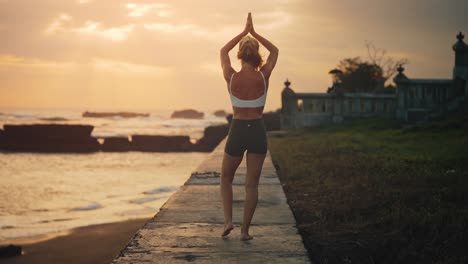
[{"x": 248, "y": 51}]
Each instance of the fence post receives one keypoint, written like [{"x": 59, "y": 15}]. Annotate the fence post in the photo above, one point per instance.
[{"x": 289, "y": 109}]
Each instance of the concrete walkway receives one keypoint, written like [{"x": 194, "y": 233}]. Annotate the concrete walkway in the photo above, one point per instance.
[{"x": 188, "y": 226}]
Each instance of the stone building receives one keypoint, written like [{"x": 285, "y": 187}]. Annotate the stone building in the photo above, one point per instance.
[{"x": 415, "y": 99}]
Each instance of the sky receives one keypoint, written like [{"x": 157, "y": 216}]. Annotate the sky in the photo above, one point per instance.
[{"x": 134, "y": 55}]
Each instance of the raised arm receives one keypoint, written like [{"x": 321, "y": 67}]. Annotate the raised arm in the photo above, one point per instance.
[
  {"x": 268, "y": 67},
  {"x": 224, "y": 53}
]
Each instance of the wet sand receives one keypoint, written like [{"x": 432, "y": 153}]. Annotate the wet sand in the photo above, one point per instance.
[{"x": 90, "y": 244}]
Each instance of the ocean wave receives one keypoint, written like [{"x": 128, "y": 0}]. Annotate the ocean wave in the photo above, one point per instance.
[
  {"x": 144, "y": 200},
  {"x": 26, "y": 115},
  {"x": 54, "y": 220},
  {"x": 91, "y": 206},
  {"x": 40, "y": 210},
  {"x": 162, "y": 190}
]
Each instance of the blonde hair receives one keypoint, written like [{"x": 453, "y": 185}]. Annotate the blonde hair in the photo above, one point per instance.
[{"x": 248, "y": 52}]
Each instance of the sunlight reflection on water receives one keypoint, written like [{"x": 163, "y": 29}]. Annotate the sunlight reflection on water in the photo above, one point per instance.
[{"x": 43, "y": 193}]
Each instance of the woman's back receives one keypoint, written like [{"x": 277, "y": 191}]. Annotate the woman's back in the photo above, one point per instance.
[
  {"x": 248, "y": 91},
  {"x": 247, "y": 85}
]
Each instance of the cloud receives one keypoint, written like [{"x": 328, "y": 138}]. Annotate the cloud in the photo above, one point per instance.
[
  {"x": 94, "y": 28},
  {"x": 128, "y": 68},
  {"x": 182, "y": 30},
  {"x": 9, "y": 61},
  {"x": 57, "y": 23},
  {"x": 171, "y": 28},
  {"x": 13, "y": 61},
  {"x": 273, "y": 20},
  {"x": 139, "y": 10}
]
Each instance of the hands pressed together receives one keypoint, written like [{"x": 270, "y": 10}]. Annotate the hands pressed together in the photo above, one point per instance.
[{"x": 249, "y": 28}]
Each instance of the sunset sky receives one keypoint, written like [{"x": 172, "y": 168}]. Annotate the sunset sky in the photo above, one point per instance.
[{"x": 132, "y": 55}]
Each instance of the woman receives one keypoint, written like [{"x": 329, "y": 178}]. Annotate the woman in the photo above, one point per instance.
[{"x": 247, "y": 89}]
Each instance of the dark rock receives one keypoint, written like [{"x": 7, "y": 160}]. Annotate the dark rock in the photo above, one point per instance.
[
  {"x": 1, "y": 138},
  {"x": 187, "y": 113},
  {"x": 55, "y": 132},
  {"x": 220, "y": 113},
  {"x": 49, "y": 138},
  {"x": 112, "y": 114},
  {"x": 10, "y": 251},
  {"x": 159, "y": 143},
  {"x": 211, "y": 137},
  {"x": 116, "y": 144}
]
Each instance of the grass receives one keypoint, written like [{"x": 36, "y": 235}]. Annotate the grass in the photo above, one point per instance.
[{"x": 369, "y": 191}]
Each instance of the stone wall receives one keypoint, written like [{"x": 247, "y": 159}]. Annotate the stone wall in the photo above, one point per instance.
[
  {"x": 419, "y": 98},
  {"x": 315, "y": 109}
]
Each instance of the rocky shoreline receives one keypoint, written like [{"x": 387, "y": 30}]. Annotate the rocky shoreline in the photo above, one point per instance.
[
  {"x": 65, "y": 138},
  {"x": 77, "y": 138}
]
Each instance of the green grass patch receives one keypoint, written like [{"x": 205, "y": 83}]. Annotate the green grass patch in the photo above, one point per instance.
[{"x": 369, "y": 191}]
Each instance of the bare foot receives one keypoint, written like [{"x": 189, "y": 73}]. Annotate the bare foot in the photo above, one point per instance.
[
  {"x": 245, "y": 237},
  {"x": 227, "y": 229}
]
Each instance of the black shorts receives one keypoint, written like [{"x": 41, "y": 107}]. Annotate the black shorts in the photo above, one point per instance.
[{"x": 246, "y": 134}]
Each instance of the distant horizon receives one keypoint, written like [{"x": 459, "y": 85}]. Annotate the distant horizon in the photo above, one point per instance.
[{"x": 111, "y": 109}]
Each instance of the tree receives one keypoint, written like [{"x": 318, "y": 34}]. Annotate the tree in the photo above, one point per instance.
[
  {"x": 368, "y": 76},
  {"x": 358, "y": 75},
  {"x": 388, "y": 64}
]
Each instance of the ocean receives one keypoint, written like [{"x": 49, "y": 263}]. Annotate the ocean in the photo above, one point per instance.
[{"x": 48, "y": 193}]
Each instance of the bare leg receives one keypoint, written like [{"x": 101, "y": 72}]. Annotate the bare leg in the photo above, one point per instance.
[
  {"x": 229, "y": 167},
  {"x": 254, "y": 168}
]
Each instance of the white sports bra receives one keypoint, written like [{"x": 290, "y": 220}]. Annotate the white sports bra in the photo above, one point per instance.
[{"x": 248, "y": 103}]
